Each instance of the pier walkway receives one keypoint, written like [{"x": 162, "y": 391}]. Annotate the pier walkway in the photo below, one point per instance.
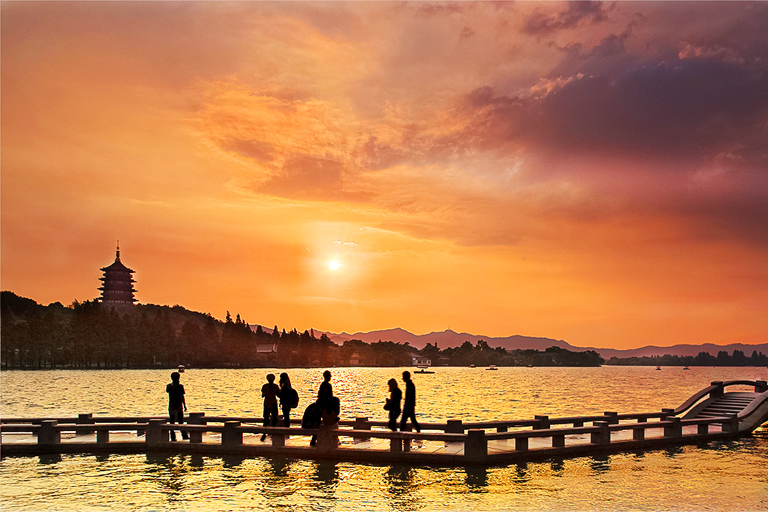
[{"x": 711, "y": 414}]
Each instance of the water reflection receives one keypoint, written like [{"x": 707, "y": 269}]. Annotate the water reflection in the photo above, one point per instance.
[
  {"x": 232, "y": 461},
  {"x": 600, "y": 464},
  {"x": 673, "y": 451},
  {"x": 402, "y": 488},
  {"x": 278, "y": 467},
  {"x": 477, "y": 478},
  {"x": 521, "y": 475},
  {"x": 49, "y": 459},
  {"x": 327, "y": 476}
]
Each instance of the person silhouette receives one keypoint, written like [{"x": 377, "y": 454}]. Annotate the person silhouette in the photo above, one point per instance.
[
  {"x": 393, "y": 404},
  {"x": 330, "y": 407},
  {"x": 289, "y": 398},
  {"x": 409, "y": 404},
  {"x": 326, "y": 408},
  {"x": 177, "y": 404},
  {"x": 325, "y": 388},
  {"x": 269, "y": 391}
]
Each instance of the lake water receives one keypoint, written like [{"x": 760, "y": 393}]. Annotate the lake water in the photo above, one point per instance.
[{"x": 731, "y": 476}]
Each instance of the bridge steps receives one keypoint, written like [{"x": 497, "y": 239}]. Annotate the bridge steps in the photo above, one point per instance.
[{"x": 726, "y": 405}]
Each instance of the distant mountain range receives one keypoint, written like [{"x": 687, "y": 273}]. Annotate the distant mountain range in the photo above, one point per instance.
[{"x": 451, "y": 339}]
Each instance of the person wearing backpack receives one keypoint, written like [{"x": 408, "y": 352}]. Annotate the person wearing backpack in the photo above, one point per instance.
[{"x": 289, "y": 398}]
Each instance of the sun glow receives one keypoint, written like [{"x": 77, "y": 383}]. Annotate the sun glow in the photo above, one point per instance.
[{"x": 334, "y": 265}]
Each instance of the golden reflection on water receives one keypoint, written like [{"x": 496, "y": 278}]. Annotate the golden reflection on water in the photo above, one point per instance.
[{"x": 717, "y": 476}]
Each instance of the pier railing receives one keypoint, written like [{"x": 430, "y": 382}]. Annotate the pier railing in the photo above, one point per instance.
[{"x": 473, "y": 437}]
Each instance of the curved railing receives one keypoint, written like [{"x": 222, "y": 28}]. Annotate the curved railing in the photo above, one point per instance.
[{"x": 717, "y": 388}]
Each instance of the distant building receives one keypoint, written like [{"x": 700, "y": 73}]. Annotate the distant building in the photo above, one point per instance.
[
  {"x": 266, "y": 348},
  {"x": 117, "y": 284},
  {"x": 417, "y": 360}
]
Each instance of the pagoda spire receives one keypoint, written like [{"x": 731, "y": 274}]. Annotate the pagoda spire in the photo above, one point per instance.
[{"x": 117, "y": 252}]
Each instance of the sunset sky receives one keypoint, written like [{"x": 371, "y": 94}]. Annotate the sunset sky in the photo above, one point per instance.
[{"x": 593, "y": 172}]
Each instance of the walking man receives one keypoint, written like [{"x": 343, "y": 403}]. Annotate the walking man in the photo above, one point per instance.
[{"x": 409, "y": 404}]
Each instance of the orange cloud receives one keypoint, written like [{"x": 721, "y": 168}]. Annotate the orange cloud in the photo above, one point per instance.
[{"x": 588, "y": 172}]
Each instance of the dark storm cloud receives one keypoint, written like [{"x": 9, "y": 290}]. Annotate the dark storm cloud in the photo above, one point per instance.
[{"x": 685, "y": 107}]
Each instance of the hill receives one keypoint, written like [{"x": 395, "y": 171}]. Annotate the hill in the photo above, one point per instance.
[{"x": 452, "y": 339}]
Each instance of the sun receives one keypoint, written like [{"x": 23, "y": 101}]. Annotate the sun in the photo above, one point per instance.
[{"x": 334, "y": 265}]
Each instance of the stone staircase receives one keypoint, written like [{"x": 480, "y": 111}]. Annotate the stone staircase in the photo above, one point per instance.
[{"x": 727, "y": 405}]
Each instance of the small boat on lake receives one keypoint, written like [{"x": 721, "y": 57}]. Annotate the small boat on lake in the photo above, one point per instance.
[
  {"x": 492, "y": 367},
  {"x": 181, "y": 368},
  {"x": 423, "y": 369}
]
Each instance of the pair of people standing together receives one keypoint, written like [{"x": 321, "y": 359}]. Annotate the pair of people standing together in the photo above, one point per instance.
[
  {"x": 409, "y": 406},
  {"x": 288, "y": 396}
]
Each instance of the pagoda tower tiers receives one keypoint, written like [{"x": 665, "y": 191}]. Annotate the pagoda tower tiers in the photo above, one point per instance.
[{"x": 117, "y": 288}]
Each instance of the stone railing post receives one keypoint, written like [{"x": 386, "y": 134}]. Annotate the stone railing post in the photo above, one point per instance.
[
  {"x": 86, "y": 419},
  {"x": 761, "y": 386},
  {"x": 502, "y": 428},
  {"x": 231, "y": 436},
  {"x": 454, "y": 427},
  {"x": 718, "y": 391},
  {"x": 732, "y": 424},
  {"x": 667, "y": 414},
  {"x": 604, "y": 435},
  {"x": 521, "y": 444},
  {"x": 278, "y": 440},
  {"x": 475, "y": 443},
  {"x": 612, "y": 417},
  {"x": 48, "y": 435},
  {"x": 543, "y": 422},
  {"x": 638, "y": 433},
  {"x": 361, "y": 423},
  {"x": 703, "y": 428},
  {"x": 396, "y": 444},
  {"x": 102, "y": 436},
  {"x": 155, "y": 434},
  {"x": 196, "y": 418},
  {"x": 674, "y": 430},
  {"x": 326, "y": 439},
  {"x": 407, "y": 440}
]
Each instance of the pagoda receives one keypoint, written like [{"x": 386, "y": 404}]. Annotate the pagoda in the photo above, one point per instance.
[{"x": 117, "y": 289}]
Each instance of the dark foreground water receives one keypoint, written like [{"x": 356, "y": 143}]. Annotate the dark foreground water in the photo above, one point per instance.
[{"x": 729, "y": 476}]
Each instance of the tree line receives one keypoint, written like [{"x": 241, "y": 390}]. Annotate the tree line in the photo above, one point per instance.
[
  {"x": 738, "y": 358},
  {"x": 89, "y": 335}
]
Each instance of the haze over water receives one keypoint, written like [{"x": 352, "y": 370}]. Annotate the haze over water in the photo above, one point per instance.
[{"x": 718, "y": 476}]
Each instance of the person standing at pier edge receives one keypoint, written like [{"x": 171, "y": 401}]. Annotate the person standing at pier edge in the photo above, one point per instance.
[
  {"x": 409, "y": 405},
  {"x": 325, "y": 388},
  {"x": 393, "y": 404},
  {"x": 289, "y": 398},
  {"x": 177, "y": 404},
  {"x": 269, "y": 391}
]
